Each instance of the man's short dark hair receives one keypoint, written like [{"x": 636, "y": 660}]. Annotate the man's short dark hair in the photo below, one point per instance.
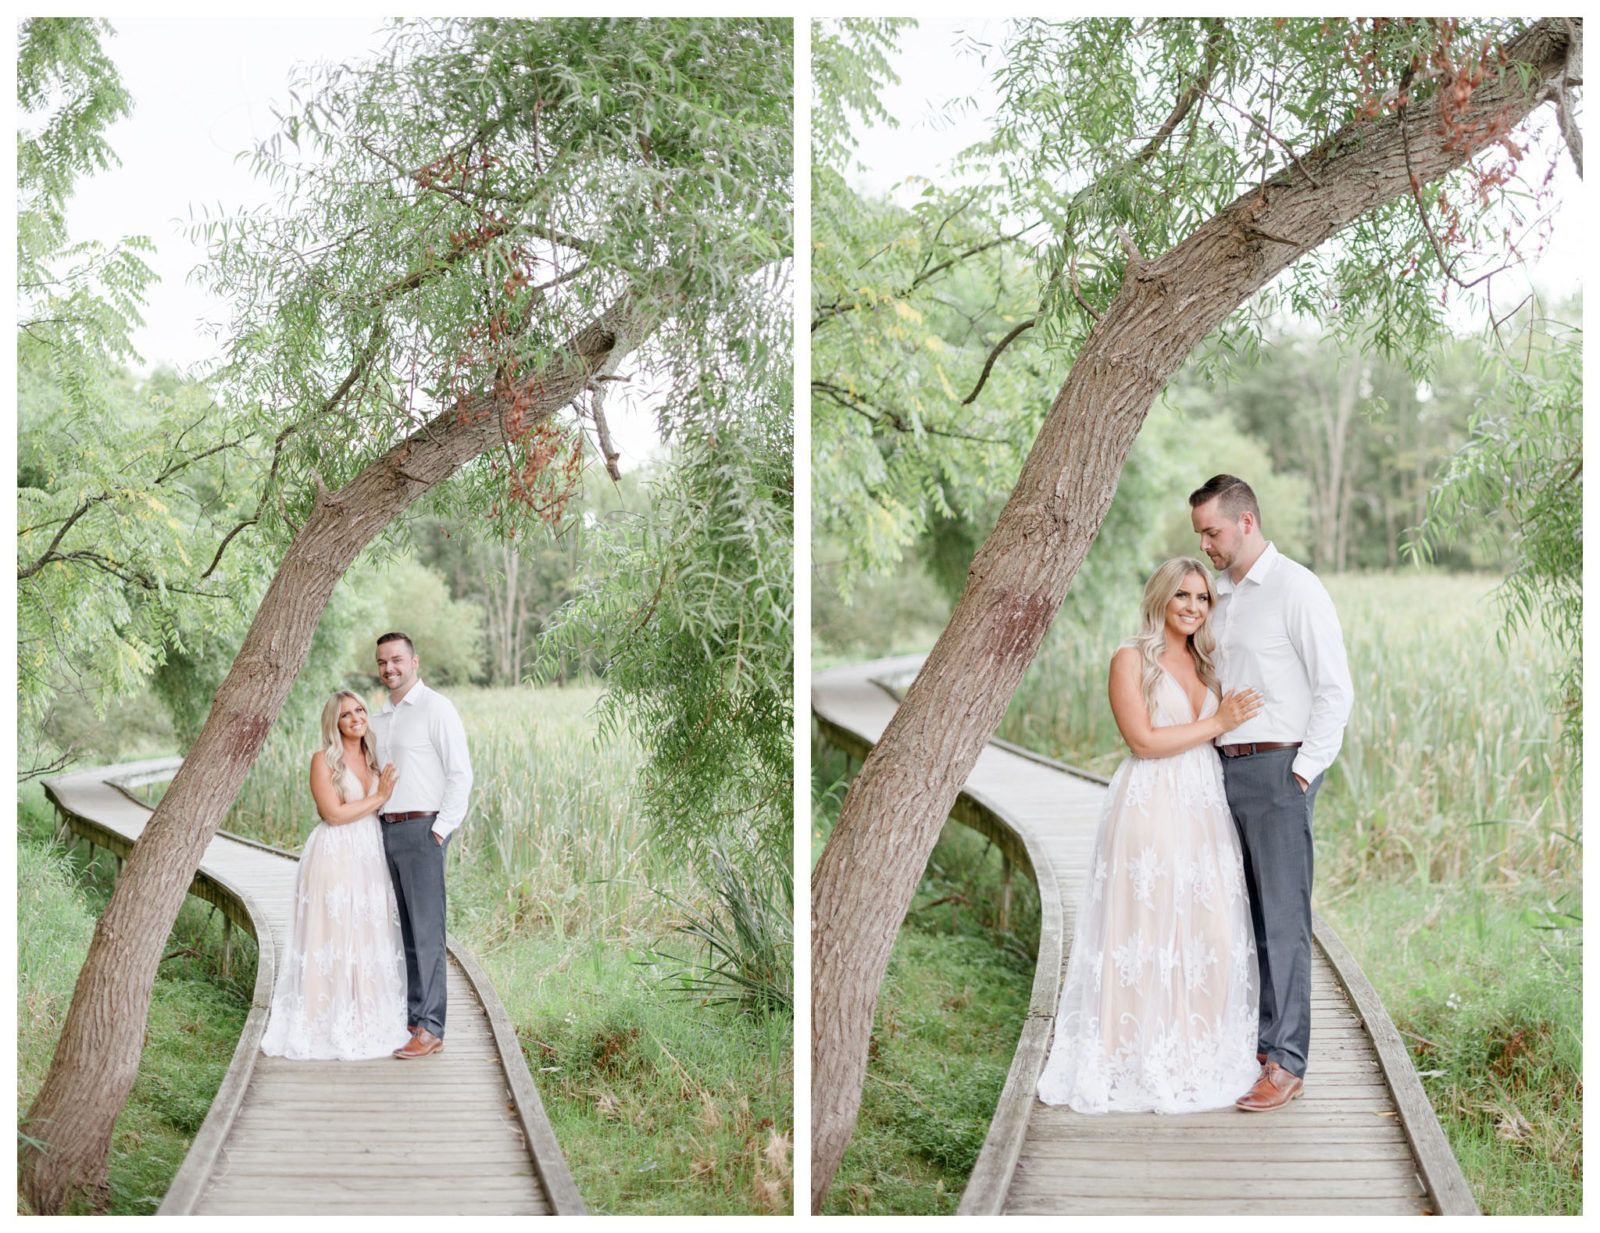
[
  {"x": 397, "y": 636},
  {"x": 1235, "y": 497}
]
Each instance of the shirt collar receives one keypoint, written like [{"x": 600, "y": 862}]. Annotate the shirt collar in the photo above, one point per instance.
[
  {"x": 412, "y": 695},
  {"x": 1265, "y": 563}
]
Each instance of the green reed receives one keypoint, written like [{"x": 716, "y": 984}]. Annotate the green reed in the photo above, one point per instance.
[{"x": 1452, "y": 765}]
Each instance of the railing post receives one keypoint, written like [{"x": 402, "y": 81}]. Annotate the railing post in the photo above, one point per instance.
[
  {"x": 227, "y": 943},
  {"x": 1005, "y": 893}
]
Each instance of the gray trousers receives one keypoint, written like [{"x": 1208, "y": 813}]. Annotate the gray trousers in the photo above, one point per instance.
[
  {"x": 416, "y": 867},
  {"x": 1273, "y": 817}
]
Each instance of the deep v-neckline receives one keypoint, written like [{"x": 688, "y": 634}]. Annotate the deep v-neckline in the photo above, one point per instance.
[
  {"x": 1194, "y": 711},
  {"x": 361, "y": 780}
]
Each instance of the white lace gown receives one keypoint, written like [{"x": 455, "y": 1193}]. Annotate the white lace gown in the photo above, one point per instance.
[
  {"x": 1158, "y": 1011},
  {"x": 341, "y": 989}
]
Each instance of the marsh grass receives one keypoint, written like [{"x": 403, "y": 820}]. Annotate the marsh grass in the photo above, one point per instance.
[
  {"x": 1487, "y": 989},
  {"x": 195, "y": 1014},
  {"x": 553, "y": 842},
  {"x": 661, "y": 1103}
]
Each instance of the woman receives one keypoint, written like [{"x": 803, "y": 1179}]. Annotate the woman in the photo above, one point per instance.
[
  {"x": 342, "y": 984},
  {"x": 1158, "y": 1010}
]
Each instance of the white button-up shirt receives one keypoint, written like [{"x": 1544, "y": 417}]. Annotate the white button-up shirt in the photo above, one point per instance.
[
  {"x": 423, "y": 737},
  {"x": 1277, "y": 632}
]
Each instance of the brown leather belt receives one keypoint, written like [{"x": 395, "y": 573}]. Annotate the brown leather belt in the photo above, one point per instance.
[
  {"x": 1244, "y": 751},
  {"x": 407, "y": 817}
]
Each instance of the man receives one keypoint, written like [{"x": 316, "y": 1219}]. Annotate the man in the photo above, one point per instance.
[
  {"x": 419, "y": 731},
  {"x": 1277, "y": 632}
]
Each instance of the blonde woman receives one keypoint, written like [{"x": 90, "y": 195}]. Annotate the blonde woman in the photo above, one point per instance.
[
  {"x": 1158, "y": 1009},
  {"x": 341, "y": 989}
]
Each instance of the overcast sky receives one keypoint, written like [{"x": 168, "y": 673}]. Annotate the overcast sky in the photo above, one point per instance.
[
  {"x": 203, "y": 92},
  {"x": 932, "y": 72}
]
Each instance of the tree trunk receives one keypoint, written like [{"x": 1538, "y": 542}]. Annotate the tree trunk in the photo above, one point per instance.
[
  {"x": 501, "y": 604},
  {"x": 1347, "y": 387},
  {"x": 891, "y": 817},
  {"x": 97, "y": 1056}
]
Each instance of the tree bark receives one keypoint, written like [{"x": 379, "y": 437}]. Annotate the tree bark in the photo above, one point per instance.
[
  {"x": 97, "y": 1057},
  {"x": 1336, "y": 395},
  {"x": 891, "y": 817}
]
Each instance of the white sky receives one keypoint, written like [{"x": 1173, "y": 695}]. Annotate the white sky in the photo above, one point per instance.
[
  {"x": 932, "y": 72},
  {"x": 203, "y": 91}
]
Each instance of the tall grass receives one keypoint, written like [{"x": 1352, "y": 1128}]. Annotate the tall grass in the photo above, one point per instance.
[{"x": 552, "y": 841}]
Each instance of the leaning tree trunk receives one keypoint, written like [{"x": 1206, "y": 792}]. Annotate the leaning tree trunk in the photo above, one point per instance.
[
  {"x": 97, "y": 1056},
  {"x": 891, "y": 817}
]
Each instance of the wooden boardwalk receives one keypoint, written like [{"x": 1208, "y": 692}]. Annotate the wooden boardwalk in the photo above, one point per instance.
[
  {"x": 459, "y": 1133},
  {"x": 1362, "y": 1139}
]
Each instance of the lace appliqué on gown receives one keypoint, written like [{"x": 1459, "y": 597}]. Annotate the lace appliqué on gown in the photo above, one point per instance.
[
  {"x": 1158, "y": 1011},
  {"x": 341, "y": 990}
]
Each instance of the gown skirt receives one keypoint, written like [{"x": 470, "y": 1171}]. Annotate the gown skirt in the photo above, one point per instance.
[
  {"x": 1158, "y": 1011},
  {"x": 341, "y": 990}
]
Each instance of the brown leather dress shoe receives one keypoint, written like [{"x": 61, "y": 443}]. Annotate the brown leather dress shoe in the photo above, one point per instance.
[
  {"x": 422, "y": 1044},
  {"x": 1276, "y": 1088}
]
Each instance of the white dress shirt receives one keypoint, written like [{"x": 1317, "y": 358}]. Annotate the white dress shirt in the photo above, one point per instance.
[
  {"x": 423, "y": 737},
  {"x": 1277, "y": 632}
]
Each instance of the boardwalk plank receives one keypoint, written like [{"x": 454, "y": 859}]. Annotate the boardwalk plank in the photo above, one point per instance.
[
  {"x": 1348, "y": 1146},
  {"x": 1233, "y": 1205},
  {"x": 1206, "y": 1165},
  {"x": 1158, "y": 1154},
  {"x": 1309, "y": 1184}
]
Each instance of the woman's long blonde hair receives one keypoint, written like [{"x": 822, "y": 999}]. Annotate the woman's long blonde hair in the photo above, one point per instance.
[
  {"x": 1151, "y": 639},
  {"x": 333, "y": 743}
]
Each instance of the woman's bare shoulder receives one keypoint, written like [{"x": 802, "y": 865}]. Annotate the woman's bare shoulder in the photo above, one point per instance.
[{"x": 1126, "y": 656}]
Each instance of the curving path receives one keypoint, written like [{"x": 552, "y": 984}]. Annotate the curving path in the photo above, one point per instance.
[
  {"x": 458, "y": 1133},
  {"x": 1363, "y": 1138}
]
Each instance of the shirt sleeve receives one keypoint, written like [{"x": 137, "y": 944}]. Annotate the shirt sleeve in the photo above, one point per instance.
[
  {"x": 1316, "y": 636},
  {"x": 450, "y": 739}
]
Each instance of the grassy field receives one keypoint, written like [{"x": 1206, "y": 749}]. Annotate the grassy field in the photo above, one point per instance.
[
  {"x": 1449, "y": 857},
  {"x": 661, "y": 1104},
  {"x": 195, "y": 1014}
]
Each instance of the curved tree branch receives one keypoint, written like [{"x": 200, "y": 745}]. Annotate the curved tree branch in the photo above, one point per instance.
[
  {"x": 839, "y": 307},
  {"x": 49, "y": 553},
  {"x": 887, "y": 417},
  {"x": 988, "y": 365}
]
